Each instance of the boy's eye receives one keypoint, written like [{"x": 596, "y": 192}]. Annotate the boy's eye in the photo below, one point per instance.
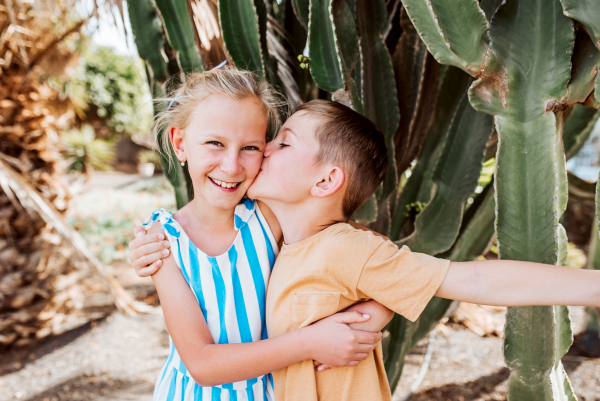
[
  {"x": 250, "y": 148},
  {"x": 215, "y": 143}
]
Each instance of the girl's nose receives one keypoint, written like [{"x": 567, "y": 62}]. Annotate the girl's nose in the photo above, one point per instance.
[{"x": 230, "y": 164}]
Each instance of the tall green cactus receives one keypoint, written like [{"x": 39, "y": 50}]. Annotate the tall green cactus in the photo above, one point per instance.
[
  {"x": 149, "y": 38},
  {"x": 526, "y": 85}
]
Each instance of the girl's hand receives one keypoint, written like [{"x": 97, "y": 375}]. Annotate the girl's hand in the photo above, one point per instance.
[
  {"x": 380, "y": 317},
  {"x": 146, "y": 252},
  {"x": 335, "y": 344}
]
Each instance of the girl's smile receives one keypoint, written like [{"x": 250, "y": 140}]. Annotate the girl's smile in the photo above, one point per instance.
[{"x": 227, "y": 186}]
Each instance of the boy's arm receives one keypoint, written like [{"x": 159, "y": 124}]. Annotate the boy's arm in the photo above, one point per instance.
[
  {"x": 330, "y": 340},
  {"x": 515, "y": 283},
  {"x": 380, "y": 316}
]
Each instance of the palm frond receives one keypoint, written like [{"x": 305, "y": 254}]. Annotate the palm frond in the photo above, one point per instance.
[{"x": 23, "y": 194}]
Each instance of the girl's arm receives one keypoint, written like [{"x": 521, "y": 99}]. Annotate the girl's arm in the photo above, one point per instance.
[
  {"x": 515, "y": 283},
  {"x": 329, "y": 340}
]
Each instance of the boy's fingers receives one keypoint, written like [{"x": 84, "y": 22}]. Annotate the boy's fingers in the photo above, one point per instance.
[
  {"x": 146, "y": 239},
  {"x": 317, "y": 363},
  {"x": 151, "y": 248},
  {"x": 139, "y": 230},
  {"x": 150, "y": 270},
  {"x": 147, "y": 260},
  {"x": 352, "y": 317}
]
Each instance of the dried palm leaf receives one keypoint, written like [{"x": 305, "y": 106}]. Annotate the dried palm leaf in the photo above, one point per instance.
[{"x": 22, "y": 192}]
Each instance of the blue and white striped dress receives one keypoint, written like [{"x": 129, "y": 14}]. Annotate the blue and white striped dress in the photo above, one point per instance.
[{"x": 231, "y": 292}]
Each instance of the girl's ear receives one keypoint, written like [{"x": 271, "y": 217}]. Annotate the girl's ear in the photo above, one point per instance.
[
  {"x": 176, "y": 137},
  {"x": 331, "y": 183}
]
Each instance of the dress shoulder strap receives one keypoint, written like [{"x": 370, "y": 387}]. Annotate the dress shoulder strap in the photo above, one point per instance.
[{"x": 169, "y": 224}]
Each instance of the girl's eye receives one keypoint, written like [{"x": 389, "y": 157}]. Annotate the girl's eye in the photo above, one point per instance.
[
  {"x": 283, "y": 145},
  {"x": 250, "y": 148}
]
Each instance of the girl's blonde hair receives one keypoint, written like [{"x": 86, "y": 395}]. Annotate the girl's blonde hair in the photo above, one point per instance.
[{"x": 228, "y": 81}]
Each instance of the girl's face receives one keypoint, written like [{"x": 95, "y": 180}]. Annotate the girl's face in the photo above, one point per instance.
[{"x": 223, "y": 146}]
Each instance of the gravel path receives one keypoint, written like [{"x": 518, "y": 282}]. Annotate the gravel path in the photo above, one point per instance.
[{"x": 115, "y": 359}]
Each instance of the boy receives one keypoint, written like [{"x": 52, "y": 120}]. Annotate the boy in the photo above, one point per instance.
[{"x": 325, "y": 163}]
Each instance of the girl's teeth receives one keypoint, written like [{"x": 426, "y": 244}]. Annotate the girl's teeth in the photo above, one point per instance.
[{"x": 225, "y": 184}]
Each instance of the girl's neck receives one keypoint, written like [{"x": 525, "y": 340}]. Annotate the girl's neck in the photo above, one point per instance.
[
  {"x": 211, "y": 229},
  {"x": 209, "y": 218}
]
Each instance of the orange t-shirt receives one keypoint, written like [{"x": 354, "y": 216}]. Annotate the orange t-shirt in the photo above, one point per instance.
[{"x": 327, "y": 273}]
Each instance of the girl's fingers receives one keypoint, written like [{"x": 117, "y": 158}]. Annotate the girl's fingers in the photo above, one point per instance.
[
  {"x": 367, "y": 337},
  {"x": 365, "y": 348}
]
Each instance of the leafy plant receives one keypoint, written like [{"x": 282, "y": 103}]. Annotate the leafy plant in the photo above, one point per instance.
[
  {"x": 84, "y": 152},
  {"x": 113, "y": 89}
]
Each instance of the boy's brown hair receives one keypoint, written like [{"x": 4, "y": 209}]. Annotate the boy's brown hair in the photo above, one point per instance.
[{"x": 351, "y": 141}]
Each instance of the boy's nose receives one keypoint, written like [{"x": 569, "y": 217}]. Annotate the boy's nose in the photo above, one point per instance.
[{"x": 268, "y": 149}]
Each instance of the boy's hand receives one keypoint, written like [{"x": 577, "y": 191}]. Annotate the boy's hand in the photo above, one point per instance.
[
  {"x": 146, "y": 252},
  {"x": 335, "y": 344}
]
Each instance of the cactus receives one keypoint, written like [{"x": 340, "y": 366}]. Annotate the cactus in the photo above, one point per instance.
[
  {"x": 180, "y": 33},
  {"x": 242, "y": 34},
  {"x": 149, "y": 39},
  {"x": 409, "y": 68}
]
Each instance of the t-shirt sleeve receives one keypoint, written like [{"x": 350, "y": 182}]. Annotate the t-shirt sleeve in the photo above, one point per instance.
[{"x": 402, "y": 280}]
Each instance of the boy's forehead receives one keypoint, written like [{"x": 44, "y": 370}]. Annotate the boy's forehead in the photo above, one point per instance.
[{"x": 303, "y": 123}]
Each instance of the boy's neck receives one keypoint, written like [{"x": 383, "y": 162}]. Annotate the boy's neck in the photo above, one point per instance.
[{"x": 299, "y": 222}]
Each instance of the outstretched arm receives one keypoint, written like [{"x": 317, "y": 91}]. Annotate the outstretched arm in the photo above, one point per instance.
[
  {"x": 515, "y": 283},
  {"x": 329, "y": 340}
]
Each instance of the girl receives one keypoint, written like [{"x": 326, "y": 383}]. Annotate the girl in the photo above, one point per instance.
[{"x": 223, "y": 249}]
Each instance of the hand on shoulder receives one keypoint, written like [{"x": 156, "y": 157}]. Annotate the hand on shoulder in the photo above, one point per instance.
[{"x": 147, "y": 250}]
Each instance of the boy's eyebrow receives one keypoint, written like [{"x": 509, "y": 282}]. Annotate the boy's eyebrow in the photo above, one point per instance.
[{"x": 291, "y": 132}]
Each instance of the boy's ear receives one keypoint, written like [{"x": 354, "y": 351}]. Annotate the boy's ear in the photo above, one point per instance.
[
  {"x": 176, "y": 137},
  {"x": 332, "y": 182}
]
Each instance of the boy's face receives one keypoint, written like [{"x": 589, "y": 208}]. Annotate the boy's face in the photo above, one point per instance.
[{"x": 288, "y": 170}]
